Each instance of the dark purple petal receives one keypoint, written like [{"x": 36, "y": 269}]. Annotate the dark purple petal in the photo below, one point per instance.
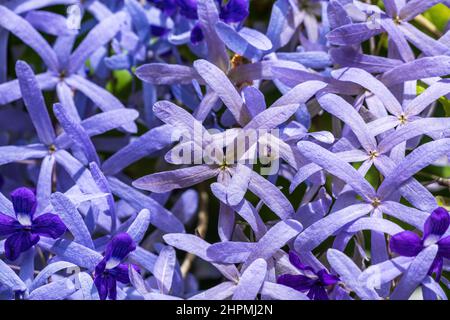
[
  {"x": 436, "y": 267},
  {"x": 297, "y": 282},
  {"x": 327, "y": 279},
  {"x": 437, "y": 223},
  {"x": 158, "y": 31},
  {"x": 120, "y": 273},
  {"x": 100, "y": 267},
  {"x": 406, "y": 243},
  {"x": 8, "y": 225},
  {"x": 188, "y": 8},
  {"x": 112, "y": 288},
  {"x": 196, "y": 34},
  {"x": 24, "y": 202},
  {"x": 234, "y": 11},
  {"x": 295, "y": 260},
  {"x": 444, "y": 247},
  {"x": 167, "y": 6},
  {"x": 102, "y": 286},
  {"x": 119, "y": 246},
  {"x": 19, "y": 242},
  {"x": 317, "y": 293},
  {"x": 48, "y": 225}
]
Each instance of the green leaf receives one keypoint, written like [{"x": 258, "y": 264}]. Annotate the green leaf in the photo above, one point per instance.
[{"x": 439, "y": 15}]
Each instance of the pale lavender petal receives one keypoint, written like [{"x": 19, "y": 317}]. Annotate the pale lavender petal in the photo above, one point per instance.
[
  {"x": 100, "y": 35},
  {"x": 72, "y": 219},
  {"x": 271, "y": 196},
  {"x": 147, "y": 144},
  {"x": 300, "y": 93},
  {"x": 415, "y": 7},
  {"x": 254, "y": 100},
  {"x": 245, "y": 209},
  {"x": 76, "y": 132},
  {"x": 337, "y": 15},
  {"x": 220, "y": 292},
  {"x": 139, "y": 226},
  {"x": 219, "y": 82},
  {"x": 374, "y": 224},
  {"x": 275, "y": 238},
  {"x": 352, "y": 34},
  {"x": 240, "y": 42},
  {"x": 349, "y": 57},
  {"x": 281, "y": 292},
  {"x": 283, "y": 23},
  {"x": 48, "y": 271},
  {"x": 49, "y": 22},
  {"x": 176, "y": 179},
  {"x": 423, "y": 42},
  {"x": 18, "y": 153},
  {"x": 372, "y": 84},
  {"x": 101, "y": 123},
  {"x": 251, "y": 281},
  {"x": 318, "y": 232},
  {"x": 101, "y": 97},
  {"x": 335, "y": 166},
  {"x": 45, "y": 183},
  {"x": 10, "y": 279},
  {"x": 406, "y": 214},
  {"x": 164, "y": 74},
  {"x": 397, "y": 37},
  {"x": 413, "y": 163},
  {"x": 160, "y": 216},
  {"x": 349, "y": 273},
  {"x": 72, "y": 252},
  {"x": 415, "y": 274},
  {"x": 24, "y": 31},
  {"x": 378, "y": 274},
  {"x": 164, "y": 269},
  {"x": 198, "y": 246},
  {"x": 239, "y": 184},
  {"x": 412, "y": 130},
  {"x": 230, "y": 251},
  {"x": 66, "y": 97},
  {"x": 431, "y": 94},
  {"x": 418, "y": 69},
  {"x": 208, "y": 16},
  {"x": 34, "y": 101},
  {"x": 87, "y": 287},
  {"x": 344, "y": 111},
  {"x": 58, "y": 290}
]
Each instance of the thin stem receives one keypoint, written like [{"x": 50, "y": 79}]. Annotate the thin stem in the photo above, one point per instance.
[
  {"x": 427, "y": 25},
  {"x": 445, "y": 182}
]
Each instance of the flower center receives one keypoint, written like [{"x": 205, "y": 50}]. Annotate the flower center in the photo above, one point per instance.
[
  {"x": 376, "y": 202},
  {"x": 52, "y": 148},
  {"x": 62, "y": 75},
  {"x": 403, "y": 119},
  {"x": 373, "y": 154},
  {"x": 237, "y": 60}
]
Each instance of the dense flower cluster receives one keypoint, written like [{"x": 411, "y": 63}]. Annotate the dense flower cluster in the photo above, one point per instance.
[{"x": 224, "y": 149}]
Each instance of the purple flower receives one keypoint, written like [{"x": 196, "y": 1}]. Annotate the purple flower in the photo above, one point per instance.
[
  {"x": 24, "y": 230},
  {"x": 111, "y": 269},
  {"x": 409, "y": 244},
  {"x": 234, "y": 11},
  {"x": 315, "y": 283},
  {"x": 188, "y": 8},
  {"x": 167, "y": 6}
]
